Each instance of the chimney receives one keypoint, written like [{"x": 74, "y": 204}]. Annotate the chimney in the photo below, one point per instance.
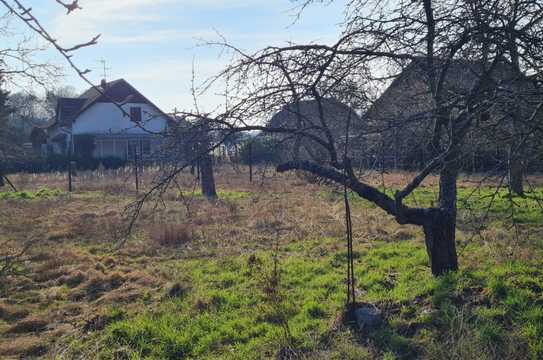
[{"x": 103, "y": 84}]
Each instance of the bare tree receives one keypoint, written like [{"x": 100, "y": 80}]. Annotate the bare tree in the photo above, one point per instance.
[
  {"x": 19, "y": 69},
  {"x": 380, "y": 39},
  {"x": 18, "y": 63}
]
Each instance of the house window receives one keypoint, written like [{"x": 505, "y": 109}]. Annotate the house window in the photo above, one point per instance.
[{"x": 135, "y": 114}]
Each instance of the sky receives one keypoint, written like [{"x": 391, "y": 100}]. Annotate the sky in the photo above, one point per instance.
[{"x": 155, "y": 44}]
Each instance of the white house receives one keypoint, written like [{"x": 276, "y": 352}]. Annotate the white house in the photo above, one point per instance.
[{"x": 93, "y": 124}]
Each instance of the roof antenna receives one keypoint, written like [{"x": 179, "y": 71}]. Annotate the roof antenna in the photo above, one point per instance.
[{"x": 104, "y": 69}]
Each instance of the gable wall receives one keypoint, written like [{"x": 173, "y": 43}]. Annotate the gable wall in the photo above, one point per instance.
[{"x": 107, "y": 118}]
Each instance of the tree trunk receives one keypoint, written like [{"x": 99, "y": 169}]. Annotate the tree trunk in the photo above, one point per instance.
[
  {"x": 440, "y": 238},
  {"x": 205, "y": 163},
  {"x": 515, "y": 159},
  {"x": 207, "y": 179},
  {"x": 439, "y": 231},
  {"x": 516, "y": 174}
]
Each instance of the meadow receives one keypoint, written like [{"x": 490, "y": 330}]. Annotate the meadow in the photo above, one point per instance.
[{"x": 260, "y": 273}]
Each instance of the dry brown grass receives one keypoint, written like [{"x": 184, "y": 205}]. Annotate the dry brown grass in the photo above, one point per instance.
[
  {"x": 98, "y": 284},
  {"x": 23, "y": 347},
  {"x": 28, "y": 325},
  {"x": 73, "y": 279},
  {"x": 73, "y": 275},
  {"x": 171, "y": 235},
  {"x": 11, "y": 313}
]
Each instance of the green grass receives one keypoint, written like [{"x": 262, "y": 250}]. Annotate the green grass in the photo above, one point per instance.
[
  {"x": 234, "y": 307},
  {"x": 482, "y": 201},
  {"x": 226, "y": 312},
  {"x": 229, "y": 195},
  {"x": 43, "y": 193}
]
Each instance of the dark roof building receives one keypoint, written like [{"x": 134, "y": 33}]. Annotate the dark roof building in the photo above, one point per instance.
[{"x": 316, "y": 118}]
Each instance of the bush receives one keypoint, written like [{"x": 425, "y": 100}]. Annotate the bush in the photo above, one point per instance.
[
  {"x": 171, "y": 235},
  {"x": 84, "y": 145},
  {"x": 112, "y": 162},
  {"x": 260, "y": 150},
  {"x": 60, "y": 163}
]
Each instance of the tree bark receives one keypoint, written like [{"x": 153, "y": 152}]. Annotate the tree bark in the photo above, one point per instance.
[
  {"x": 205, "y": 162},
  {"x": 516, "y": 175},
  {"x": 439, "y": 223},
  {"x": 440, "y": 239},
  {"x": 440, "y": 228},
  {"x": 207, "y": 179},
  {"x": 514, "y": 160}
]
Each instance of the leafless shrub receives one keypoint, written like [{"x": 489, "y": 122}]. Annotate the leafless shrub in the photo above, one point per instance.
[
  {"x": 11, "y": 257},
  {"x": 172, "y": 235}
]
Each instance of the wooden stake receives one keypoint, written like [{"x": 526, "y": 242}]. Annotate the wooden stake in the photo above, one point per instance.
[
  {"x": 70, "y": 171},
  {"x": 136, "y": 171},
  {"x": 250, "y": 162}
]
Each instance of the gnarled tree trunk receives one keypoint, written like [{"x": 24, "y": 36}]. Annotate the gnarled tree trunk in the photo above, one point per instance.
[
  {"x": 439, "y": 235},
  {"x": 440, "y": 226},
  {"x": 439, "y": 223}
]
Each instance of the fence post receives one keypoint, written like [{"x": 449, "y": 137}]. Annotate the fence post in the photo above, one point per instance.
[
  {"x": 250, "y": 161},
  {"x": 71, "y": 166},
  {"x": 136, "y": 171}
]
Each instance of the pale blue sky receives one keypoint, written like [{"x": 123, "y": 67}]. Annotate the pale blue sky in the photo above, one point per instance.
[{"x": 152, "y": 43}]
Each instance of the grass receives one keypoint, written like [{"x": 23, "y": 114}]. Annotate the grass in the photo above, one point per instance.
[
  {"x": 224, "y": 314},
  {"x": 485, "y": 201},
  {"x": 260, "y": 274},
  {"x": 43, "y": 193}
]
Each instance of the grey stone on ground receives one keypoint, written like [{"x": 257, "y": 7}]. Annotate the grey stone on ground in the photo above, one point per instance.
[{"x": 368, "y": 317}]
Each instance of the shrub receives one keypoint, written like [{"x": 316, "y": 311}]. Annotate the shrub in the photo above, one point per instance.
[
  {"x": 260, "y": 150},
  {"x": 56, "y": 162},
  {"x": 84, "y": 145},
  {"x": 177, "y": 290},
  {"x": 172, "y": 235}
]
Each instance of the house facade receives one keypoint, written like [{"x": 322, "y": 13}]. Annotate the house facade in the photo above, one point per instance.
[
  {"x": 93, "y": 125},
  {"x": 309, "y": 114},
  {"x": 401, "y": 121}
]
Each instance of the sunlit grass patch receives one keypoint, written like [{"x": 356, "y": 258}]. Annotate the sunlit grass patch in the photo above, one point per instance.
[
  {"x": 229, "y": 195},
  {"x": 43, "y": 193},
  {"x": 473, "y": 202}
]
